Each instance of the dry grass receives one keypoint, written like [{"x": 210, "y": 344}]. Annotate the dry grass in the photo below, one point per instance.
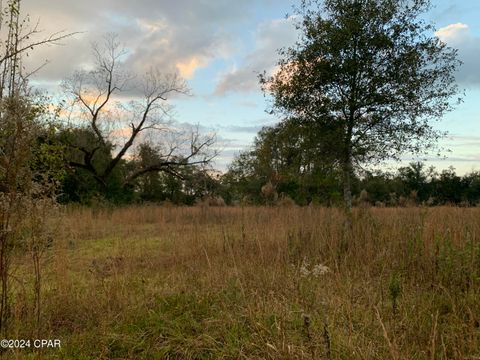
[{"x": 233, "y": 283}]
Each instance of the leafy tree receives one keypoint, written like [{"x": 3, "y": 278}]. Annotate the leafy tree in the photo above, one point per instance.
[
  {"x": 415, "y": 178},
  {"x": 472, "y": 182},
  {"x": 289, "y": 157},
  {"x": 79, "y": 185},
  {"x": 450, "y": 188},
  {"x": 370, "y": 75},
  {"x": 378, "y": 185},
  {"x": 150, "y": 186},
  {"x": 241, "y": 179}
]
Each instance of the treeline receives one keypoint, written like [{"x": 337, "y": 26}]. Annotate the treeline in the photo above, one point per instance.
[
  {"x": 411, "y": 185},
  {"x": 284, "y": 166}
]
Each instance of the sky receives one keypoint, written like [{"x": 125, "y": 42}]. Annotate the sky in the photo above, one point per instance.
[{"x": 220, "y": 47}]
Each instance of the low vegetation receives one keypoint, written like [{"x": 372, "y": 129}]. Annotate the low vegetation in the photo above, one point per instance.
[{"x": 255, "y": 283}]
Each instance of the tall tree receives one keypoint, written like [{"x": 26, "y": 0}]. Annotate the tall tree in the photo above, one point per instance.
[{"x": 370, "y": 74}]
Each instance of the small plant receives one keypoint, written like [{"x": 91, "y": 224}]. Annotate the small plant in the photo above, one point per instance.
[
  {"x": 395, "y": 290},
  {"x": 286, "y": 201},
  {"x": 307, "y": 270},
  {"x": 363, "y": 197}
]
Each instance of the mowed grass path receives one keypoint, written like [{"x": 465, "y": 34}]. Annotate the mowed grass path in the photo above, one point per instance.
[{"x": 252, "y": 283}]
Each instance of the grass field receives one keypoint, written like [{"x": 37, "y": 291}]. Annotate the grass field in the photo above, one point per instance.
[{"x": 256, "y": 283}]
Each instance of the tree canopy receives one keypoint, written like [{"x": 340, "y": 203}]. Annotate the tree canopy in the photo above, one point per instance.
[{"x": 370, "y": 74}]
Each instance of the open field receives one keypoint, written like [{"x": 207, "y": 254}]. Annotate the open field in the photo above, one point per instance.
[{"x": 253, "y": 283}]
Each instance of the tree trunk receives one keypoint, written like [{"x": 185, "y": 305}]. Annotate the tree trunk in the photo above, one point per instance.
[
  {"x": 347, "y": 166},
  {"x": 347, "y": 170},
  {"x": 347, "y": 184}
]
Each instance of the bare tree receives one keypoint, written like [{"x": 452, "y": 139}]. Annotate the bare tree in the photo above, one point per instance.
[
  {"x": 16, "y": 41},
  {"x": 121, "y": 110}
]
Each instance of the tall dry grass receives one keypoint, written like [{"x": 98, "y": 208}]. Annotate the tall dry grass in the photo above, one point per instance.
[{"x": 259, "y": 283}]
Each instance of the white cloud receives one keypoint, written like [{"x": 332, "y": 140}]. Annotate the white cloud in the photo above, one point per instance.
[
  {"x": 460, "y": 36},
  {"x": 452, "y": 31},
  {"x": 270, "y": 36},
  {"x": 183, "y": 35}
]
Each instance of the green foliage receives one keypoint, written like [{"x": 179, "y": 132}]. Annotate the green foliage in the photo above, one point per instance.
[
  {"x": 30, "y": 153},
  {"x": 184, "y": 185},
  {"x": 286, "y": 156},
  {"x": 456, "y": 266},
  {"x": 30, "y": 170},
  {"x": 370, "y": 75},
  {"x": 80, "y": 184},
  {"x": 48, "y": 153},
  {"x": 299, "y": 173},
  {"x": 395, "y": 289}
]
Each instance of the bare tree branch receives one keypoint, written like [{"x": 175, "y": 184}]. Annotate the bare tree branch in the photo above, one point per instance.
[{"x": 98, "y": 94}]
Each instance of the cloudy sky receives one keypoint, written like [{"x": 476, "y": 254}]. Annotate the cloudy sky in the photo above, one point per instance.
[{"x": 220, "y": 46}]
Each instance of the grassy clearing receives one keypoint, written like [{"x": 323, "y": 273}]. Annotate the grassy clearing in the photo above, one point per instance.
[{"x": 233, "y": 283}]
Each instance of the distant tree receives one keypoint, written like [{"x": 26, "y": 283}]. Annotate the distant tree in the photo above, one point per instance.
[
  {"x": 415, "y": 178},
  {"x": 241, "y": 179},
  {"x": 472, "y": 182},
  {"x": 289, "y": 157},
  {"x": 150, "y": 186},
  {"x": 378, "y": 185},
  {"x": 119, "y": 111},
  {"x": 370, "y": 75},
  {"x": 185, "y": 186},
  {"x": 450, "y": 188}
]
